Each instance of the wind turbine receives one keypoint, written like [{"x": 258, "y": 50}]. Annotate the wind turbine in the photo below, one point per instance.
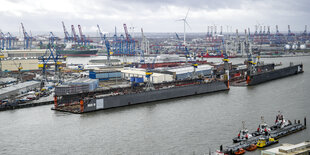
[{"x": 185, "y": 22}]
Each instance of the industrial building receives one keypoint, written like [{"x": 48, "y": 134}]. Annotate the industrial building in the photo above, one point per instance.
[
  {"x": 302, "y": 148},
  {"x": 18, "y": 89},
  {"x": 187, "y": 72},
  {"x": 24, "y": 53},
  {"x": 12, "y": 65},
  {"x": 105, "y": 74},
  {"x": 137, "y": 72}
]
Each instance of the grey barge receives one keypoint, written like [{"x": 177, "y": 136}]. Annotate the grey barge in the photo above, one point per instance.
[
  {"x": 118, "y": 97},
  {"x": 254, "y": 79}
]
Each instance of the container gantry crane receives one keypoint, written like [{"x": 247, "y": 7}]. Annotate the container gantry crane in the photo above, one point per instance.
[
  {"x": 76, "y": 38},
  {"x": 83, "y": 38},
  {"x": 67, "y": 37},
  {"x": 2, "y": 40},
  {"x": 27, "y": 38},
  {"x": 10, "y": 41}
]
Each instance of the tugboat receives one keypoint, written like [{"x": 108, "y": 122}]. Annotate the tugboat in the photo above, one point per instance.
[
  {"x": 266, "y": 141},
  {"x": 280, "y": 122},
  {"x": 240, "y": 151},
  {"x": 252, "y": 147},
  {"x": 243, "y": 134},
  {"x": 263, "y": 128}
]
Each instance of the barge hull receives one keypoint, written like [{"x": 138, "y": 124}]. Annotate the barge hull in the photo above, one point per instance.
[
  {"x": 114, "y": 101},
  {"x": 275, "y": 74},
  {"x": 154, "y": 95}
]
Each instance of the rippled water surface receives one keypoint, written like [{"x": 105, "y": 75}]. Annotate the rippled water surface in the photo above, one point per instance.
[{"x": 188, "y": 125}]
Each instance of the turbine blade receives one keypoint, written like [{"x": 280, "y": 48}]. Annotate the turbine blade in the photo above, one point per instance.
[
  {"x": 186, "y": 14},
  {"x": 179, "y": 20}
]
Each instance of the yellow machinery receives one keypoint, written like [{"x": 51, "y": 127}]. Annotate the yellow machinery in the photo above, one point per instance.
[{"x": 264, "y": 142}]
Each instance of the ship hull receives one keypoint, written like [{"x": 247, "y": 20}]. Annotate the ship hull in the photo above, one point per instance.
[
  {"x": 154, "y": 95},
  {"x": 115, "y": 101},
  {"x": 275, "y": 74},
  {"x": 78, "y": 53}
]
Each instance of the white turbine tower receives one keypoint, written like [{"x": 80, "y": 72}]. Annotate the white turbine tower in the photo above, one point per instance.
[{"x": 185, "y": 22}]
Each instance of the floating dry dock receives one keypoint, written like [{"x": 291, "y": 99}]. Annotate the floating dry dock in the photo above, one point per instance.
[
  {"x": 274, "y": 74},
  {"x": 118, "y": 97}
]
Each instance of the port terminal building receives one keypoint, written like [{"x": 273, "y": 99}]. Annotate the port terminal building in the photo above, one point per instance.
[{"x": 302, "y": 148}]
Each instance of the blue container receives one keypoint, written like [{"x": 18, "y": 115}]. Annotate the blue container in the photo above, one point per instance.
[
  {"x": 139, "y": 80},
  {"x": 92, "y": 75},
  {"x": 132, "y": 79}
]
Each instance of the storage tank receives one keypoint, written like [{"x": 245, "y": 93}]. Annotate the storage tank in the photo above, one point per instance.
[{"x": 303, "y": 46}]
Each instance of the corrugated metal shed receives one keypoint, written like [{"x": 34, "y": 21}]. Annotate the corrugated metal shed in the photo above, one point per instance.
[
  {"x": 18, "y": 88},
  {"x": 138, "y": 72}
]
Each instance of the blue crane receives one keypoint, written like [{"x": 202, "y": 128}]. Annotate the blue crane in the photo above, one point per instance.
[
  {"x": 102, "y": 36},
  {"x": 179, "y": 42},
  {"x": 83, "y": 38},
  {"x": 149, "y": 72},
  {"x": 52, "y": 39},
  {"x": 2, "y": 40},
  {"x": 10, "y": 41},
  {"x": 27, "y": 39},
  {"x": 67, "y": 36}
]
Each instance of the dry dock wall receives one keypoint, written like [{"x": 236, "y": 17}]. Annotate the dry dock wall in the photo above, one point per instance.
[{"x": 154, "y": 95}]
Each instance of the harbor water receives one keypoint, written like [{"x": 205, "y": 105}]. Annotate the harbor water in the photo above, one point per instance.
[{"x": 191, "y": 125}]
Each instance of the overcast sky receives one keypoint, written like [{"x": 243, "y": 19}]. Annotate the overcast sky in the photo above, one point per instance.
[{"x": 152, "y": 15}]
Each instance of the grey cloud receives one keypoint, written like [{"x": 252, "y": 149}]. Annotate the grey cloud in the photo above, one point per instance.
[{"x": 145, "y": 13}]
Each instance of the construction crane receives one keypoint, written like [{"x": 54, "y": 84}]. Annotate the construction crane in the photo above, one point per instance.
[
  {"x": 179, "y": 42},
  {"x": 149, "y": 72},
  {"x": 67, "y": 36},
  {"x": 102, "y": 36},
  {"x": 105, "y": 41},
  {"x": 52, "y": 39},
  {"x": 27, "y": 39},
  {"x": 250, "y": 62},
  {"x": 145, "y": 43}
]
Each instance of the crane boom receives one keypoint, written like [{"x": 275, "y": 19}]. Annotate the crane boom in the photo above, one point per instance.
[
  {"x": 100, "y": 33},
  {"x": 24, "y": 31},
  {"x": 126, "y": 32},
  {"x": 74, "y": 34},
  {"x": 81, "y": 33}
]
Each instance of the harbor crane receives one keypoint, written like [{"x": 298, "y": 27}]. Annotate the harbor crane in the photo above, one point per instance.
[
  {"x": 102, "y": 36},
  {"x": 149, "y": 72},
  {"x": 2, "y": 40},
  {"x": 179, "y": 42},
  {"x": 10, "y": 41},
  {"x": 52, "y": 39},
  {"x": 76, "y": 38},
  {"x": 145, "y": 44},
  {"x": 83, "y": 38},
  {"x": 105, "y": 41},
  {"x": 67, "y": 37},
  {"x": 27, "y": 38}
]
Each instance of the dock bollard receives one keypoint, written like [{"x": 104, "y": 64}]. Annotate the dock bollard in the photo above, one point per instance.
[{"x": 305, "y": 121}]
